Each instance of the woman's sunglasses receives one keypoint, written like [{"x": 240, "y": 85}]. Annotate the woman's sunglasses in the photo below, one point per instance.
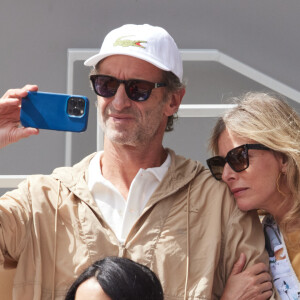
[
  {"x": 136, "y": 90},
  {"x": 237, "y": 158}
]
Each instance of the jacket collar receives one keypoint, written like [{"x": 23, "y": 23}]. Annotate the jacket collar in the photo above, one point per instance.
[
  {"x": 180, "y": 173},
  {"x": 75, "y": 179}
]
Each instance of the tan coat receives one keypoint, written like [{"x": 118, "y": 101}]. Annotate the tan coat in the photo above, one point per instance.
[{"x": 190, "y": 230}]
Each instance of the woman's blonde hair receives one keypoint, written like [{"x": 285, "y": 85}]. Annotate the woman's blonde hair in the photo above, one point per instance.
[{"x": 267, "y": 119}]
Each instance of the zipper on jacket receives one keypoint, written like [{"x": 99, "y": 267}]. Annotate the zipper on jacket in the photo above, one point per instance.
[{"x": 122, "y": 250}]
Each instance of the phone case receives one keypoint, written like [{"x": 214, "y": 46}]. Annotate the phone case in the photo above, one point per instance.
[{"x": 55, "y": 111}]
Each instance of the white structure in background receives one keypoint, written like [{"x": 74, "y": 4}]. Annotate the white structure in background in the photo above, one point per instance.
[{"x": 185, "y": 110}]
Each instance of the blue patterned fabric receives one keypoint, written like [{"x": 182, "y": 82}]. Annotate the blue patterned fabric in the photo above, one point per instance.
[{"x": 284, "y": 277}]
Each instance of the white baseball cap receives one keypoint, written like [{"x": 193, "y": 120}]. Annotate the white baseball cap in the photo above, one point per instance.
[{"x": 150, "y": 43}]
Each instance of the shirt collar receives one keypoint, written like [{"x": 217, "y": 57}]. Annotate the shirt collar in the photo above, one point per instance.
[{"x": 95, "y": 169}]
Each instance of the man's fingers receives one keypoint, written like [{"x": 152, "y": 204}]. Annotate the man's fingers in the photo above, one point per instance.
[
  {"x": 257, "y": 269},
  {"x": 20, "y": 93},
  {"x": 21, "y": 133},
  {"x": 265, "y": 295},
  {"x": 15, "y": 93},
  {"x": 239, "y": 265},
  {"x": 17, "y": 134},
  {"x": 9, "y": 105},
  {"x": 25, "y": 132},
  {"x": 264, "y": 277}
]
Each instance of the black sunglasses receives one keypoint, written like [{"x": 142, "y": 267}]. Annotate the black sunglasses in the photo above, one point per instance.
[
  {"x": 136, "y": 90},
  {"x": 237, "y": 158}
]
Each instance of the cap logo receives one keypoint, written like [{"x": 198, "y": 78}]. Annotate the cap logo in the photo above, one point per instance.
[{"x": 128, "y": 43}]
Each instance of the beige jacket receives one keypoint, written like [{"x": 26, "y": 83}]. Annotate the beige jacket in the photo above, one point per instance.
[{"x": 190, "y": 233}]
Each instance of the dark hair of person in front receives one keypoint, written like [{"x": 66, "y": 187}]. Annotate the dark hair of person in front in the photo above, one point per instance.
[{"x": 121, "y": 279}]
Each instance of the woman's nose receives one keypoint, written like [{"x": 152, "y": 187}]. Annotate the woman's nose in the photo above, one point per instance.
[{"x": 228, "y": 174}]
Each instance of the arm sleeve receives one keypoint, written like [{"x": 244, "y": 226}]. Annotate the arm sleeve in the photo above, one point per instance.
[
  {"x": 15, "y": 215},
  {"x": 245, "y": 234}
]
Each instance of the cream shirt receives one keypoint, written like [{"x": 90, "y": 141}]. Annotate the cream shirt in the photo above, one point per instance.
[{"x": 119, "y": 213}]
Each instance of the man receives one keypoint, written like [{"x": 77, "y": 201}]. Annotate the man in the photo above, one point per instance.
[{"x": 135, "y": 199}]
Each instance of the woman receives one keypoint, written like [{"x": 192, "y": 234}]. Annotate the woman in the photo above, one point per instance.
[
  {"x": 258, "y": 148},
  {"x": 115, "y": 278}
]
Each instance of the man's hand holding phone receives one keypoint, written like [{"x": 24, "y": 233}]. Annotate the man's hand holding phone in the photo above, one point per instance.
[{"x": 10, "y": 106}]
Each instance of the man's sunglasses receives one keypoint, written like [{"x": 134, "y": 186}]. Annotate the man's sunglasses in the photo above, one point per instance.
[
  {"x": 237, "y": 158},
  {"x": 136, "y": 90}
]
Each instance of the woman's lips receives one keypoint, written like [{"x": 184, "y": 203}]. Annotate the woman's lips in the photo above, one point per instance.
[{"x": 238, "y": 191}]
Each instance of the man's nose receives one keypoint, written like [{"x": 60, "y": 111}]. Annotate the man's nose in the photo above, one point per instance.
[{"x": 120, "y": 99}]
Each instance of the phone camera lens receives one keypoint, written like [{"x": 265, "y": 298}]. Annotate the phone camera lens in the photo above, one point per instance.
[
  {"x": 72, "y": 101},
  {"x": 76, "y": 111},
  {"x": 80, "y": 103},
  {"x": 76, "y": 106}
]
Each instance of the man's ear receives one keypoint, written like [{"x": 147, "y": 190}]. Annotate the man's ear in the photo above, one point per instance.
[{"x": 173, "y": 102}]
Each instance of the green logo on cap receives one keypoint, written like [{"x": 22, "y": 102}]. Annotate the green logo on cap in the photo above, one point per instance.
[{"x": 128, "y": 43}]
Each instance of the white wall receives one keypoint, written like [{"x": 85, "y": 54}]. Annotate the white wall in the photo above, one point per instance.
[{"x": 35, "y": 36}]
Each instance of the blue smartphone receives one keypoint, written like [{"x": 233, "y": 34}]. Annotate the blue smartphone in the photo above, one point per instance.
[{"x": 55, "y": 111}]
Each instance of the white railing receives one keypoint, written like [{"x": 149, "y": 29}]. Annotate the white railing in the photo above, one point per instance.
[
  {"x": 185, "y": 110},
  {"x": 11, "y": 181}
]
